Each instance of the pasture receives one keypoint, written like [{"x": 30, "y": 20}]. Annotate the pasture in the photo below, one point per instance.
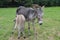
[{"x": 50, "y": 30}]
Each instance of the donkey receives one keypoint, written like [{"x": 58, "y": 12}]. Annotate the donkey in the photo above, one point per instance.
[
  {"x": 29, "y": 15},
  {"x": 19, "y": 23}
]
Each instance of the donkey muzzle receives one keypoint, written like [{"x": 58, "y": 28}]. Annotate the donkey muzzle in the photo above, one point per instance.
[{"x": 40, "y": 22}]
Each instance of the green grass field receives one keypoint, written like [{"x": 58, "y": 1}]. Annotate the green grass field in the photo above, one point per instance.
[{"x": 50, "y": 30}]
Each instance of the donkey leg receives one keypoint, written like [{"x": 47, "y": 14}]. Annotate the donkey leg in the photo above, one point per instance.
[
  {"x": 23, "y": 31},
  {"x": 33, "y": 24},
  {"x": 19, "y": 31},
  {"x": 34, "y": 29},
  {"x": 29, "y": 28},
  {"x": 15, "y": 25}
]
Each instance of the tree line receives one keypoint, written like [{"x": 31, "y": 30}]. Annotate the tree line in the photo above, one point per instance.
[{"x": 16, "y": 3}]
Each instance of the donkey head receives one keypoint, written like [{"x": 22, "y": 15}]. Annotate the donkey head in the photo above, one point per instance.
[
  {"x": 40, "y": 15},
  {"x": 39, "y": 11}
]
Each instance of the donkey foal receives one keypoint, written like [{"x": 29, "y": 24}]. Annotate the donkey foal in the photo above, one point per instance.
[{"x": 19, "y": 23}]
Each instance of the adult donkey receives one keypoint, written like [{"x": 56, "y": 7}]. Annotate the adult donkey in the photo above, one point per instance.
[{"x": 28, "y": 13}]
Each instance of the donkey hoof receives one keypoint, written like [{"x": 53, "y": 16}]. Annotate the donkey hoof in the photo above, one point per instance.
[
  {"x": 24, "y": 37},
  {"x": 12, "y": 32},
  {"x": 18, "y": 37}
]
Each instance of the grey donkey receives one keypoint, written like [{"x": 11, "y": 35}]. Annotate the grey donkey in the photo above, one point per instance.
[{"x": 30, "y": 14}]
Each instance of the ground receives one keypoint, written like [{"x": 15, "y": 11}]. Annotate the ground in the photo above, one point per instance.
[{"x": 50, "y": 30}]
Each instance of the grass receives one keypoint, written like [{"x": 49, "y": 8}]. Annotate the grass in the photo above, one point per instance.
[{"x": 50, "y": 30}]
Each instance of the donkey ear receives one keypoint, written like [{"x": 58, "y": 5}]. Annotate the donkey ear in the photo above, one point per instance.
[{"x": 42, "y": 7}]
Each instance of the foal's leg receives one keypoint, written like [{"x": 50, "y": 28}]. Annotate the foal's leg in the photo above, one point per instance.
[
  {"x": 22, "y": 30},
  {"x": 15, "y": 26},
  {"x": 19, "y": 31}
]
